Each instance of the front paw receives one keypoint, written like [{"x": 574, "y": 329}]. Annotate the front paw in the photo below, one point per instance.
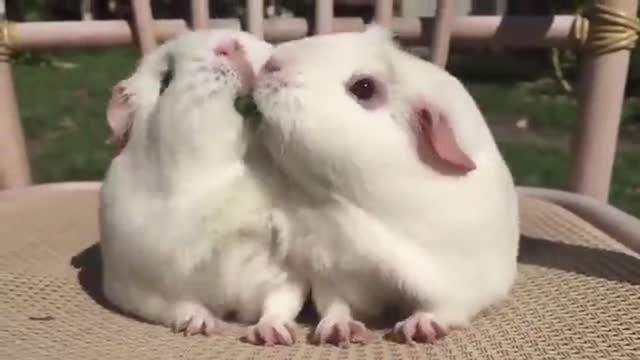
[
  {"x": 194, "y": 319},
  {"x": 420, "y": 327},
  {"x": 270, "y": 333},
  {"x": 341, "y": 332}
]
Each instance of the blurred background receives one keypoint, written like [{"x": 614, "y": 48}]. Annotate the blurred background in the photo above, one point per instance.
[{"x": 527, "y": 96}]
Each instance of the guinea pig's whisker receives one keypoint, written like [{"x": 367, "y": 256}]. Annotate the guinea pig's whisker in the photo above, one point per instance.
[
  {"x": 189, "y": 87},
  {"x": 296, "y": 103},
  {"x": 291, "y": 105},
  {"x": 194, "y": 125},
  {"x": 198, "y": 59},
  {"x": 282, "y": 148},
  {"x": 215, "y": 88}
]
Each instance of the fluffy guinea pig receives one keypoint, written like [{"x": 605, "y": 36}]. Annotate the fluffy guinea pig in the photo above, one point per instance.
[
  {"x": 190, "y": 229},
  {"x": 413, "y": 205}
]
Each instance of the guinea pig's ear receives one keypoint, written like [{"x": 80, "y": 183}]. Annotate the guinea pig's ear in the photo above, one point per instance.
[
  {"x": 436, "y": 142},
  {"x": 379, "y": 33},
  {"x": 119, "y": 117}
]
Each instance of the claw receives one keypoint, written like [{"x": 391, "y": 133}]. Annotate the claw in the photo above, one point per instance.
[
  {"x": 271, "y": 333},
  {"x": 193, "y": 320},
  {"x": 341, "y": 332},
  {"x": 420, "y": 327}
]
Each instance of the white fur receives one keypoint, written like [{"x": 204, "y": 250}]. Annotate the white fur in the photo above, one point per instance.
[
  {"x": 189, "y": 221},
  {"x": 383, "y": 229}
]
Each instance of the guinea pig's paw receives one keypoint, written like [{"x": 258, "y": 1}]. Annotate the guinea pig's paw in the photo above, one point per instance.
[
  {"x": 280, "y": 224},
  {"x": 341, "y": 332},
  {"x": 271, "y": 332},
  {"x": 419, "y": 327},
  {"x": 280, "y": 232},
  {"x": 193, "y": 319}
]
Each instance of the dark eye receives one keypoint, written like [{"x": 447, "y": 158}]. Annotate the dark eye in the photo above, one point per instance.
[
  {"x": 364, "y": 89},
  {"x": 166, "y": 80},
  {"x": 167, "y": 76}
]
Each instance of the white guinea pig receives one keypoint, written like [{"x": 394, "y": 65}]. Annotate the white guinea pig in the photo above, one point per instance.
[
  {"x": 413, "y": 205},
  {"x": 189, "y": 223}
]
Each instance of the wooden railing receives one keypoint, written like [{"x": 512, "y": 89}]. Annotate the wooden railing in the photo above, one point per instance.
[{"x": 606, "y": 35}]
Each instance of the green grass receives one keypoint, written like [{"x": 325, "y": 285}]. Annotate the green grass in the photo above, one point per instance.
[
  {"x": 63, "y": 111},
  {"x": 545, "y": 107},
  {"x": 548, "y": 166}
]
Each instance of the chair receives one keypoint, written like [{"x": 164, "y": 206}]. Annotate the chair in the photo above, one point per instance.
[{"x": 577, "y": 295}]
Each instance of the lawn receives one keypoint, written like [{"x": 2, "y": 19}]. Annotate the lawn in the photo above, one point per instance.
[{"x": 62, "y": 107}]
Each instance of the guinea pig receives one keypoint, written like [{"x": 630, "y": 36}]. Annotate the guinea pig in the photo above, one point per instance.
[
  {"x": 413, "y": 206},
  {"x": 190, "y": 225}
]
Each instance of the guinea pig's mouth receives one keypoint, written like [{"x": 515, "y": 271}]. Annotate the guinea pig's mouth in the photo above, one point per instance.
[
  {"x": 243, "y": 70},
  {"x": 246, "y": 106}
]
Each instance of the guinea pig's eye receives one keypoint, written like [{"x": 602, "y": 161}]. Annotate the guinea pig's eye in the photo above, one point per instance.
[
  {"x": 167, "y": 76},
  {"x": 166, "y": 80},
  {"x": 364, "y": 89},
  {"x": 367, "y": 90}
]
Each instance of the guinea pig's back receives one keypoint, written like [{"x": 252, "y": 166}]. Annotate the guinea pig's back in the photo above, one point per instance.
[{"x": 130, "y": 214}]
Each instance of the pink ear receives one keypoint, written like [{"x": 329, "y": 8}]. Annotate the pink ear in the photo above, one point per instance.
[
  {"x": 118, "y": 117},
  {"x": 437, "y": 145}
]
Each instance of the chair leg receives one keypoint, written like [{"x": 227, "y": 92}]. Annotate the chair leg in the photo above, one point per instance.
[
  {"x": 255, "y": 19},
  {"x": 144, "y": 25},
  {"x": 603, "y": 77},
  {"x": 445, "y": 16},
  {"x": 14, "y": 162},
  {"x": 199, "y": 14}
]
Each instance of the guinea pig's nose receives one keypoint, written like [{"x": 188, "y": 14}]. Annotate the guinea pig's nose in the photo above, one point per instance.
[
  {"x": 272, "y": 66},
  {"x": 228, "y": 48}
]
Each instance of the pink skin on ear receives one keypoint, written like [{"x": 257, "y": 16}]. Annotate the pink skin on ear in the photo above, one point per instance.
[
  {"x": 118, "y": 119},
  {"x": 437, "y": 146}
]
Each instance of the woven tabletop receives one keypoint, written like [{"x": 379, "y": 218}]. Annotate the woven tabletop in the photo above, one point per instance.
[{"x": 577, "y": 296}]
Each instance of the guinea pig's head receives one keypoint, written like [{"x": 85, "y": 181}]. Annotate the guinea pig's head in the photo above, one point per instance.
[
  {"x": 218, "y": 62},
  {"x": 204, "y": 67},
  {"x": 353, "y": 103}
]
